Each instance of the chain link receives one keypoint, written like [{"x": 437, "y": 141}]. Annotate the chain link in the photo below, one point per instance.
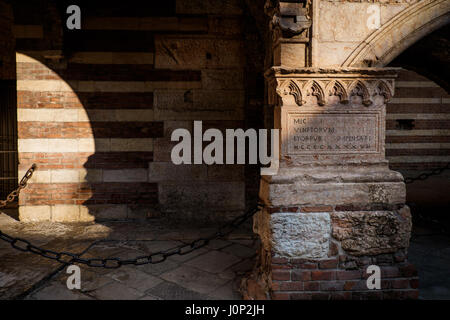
[
  {"x": 114, "y": 263},
  {"x": 154, "y": 258},
  {"x": 426, "y": 175},
  {"x": 22, "y": 184}
]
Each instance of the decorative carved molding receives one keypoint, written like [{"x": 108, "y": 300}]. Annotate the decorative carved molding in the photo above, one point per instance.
[
  {"x": 361, "y": 89},
  {"x": 345, "y": 84},
  {"x": 336, "y": 88},
  {"x": 315, "y": 88},
  {"x": 291, "y": 87}
]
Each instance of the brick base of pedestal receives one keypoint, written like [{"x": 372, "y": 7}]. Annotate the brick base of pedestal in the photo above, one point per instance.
[
  {"x": 339, "y": 277},
  {"x": 345, "y": 244},
  {"x": 327, "y": 279}
]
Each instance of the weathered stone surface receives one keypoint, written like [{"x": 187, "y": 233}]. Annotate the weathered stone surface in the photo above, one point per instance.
[
  {"x": 290, "y": 55},
  {"x": 116, "y": 291},
  {"x": 214, "y": 261},
  {"x": 57, "y": 291},
  {"x": 371, "y": 233},
  {"x": 197, "y": 53},
  {"x": 194, "y": 279},
  {"x": 136, "y": 279},
  {"x": 335, "y": 193},
  {"x": 229, "y": 195},
  {"x": 295, "y": 235}
]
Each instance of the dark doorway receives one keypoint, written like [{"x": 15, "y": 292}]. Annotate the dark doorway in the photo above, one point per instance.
[{"x": 8, "y": 139}]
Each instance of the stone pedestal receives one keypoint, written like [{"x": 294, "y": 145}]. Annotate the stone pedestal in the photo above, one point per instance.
[{"x": 335, "y": 207}]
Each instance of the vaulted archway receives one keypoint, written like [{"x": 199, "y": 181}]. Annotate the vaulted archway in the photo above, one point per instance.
[{"x": 399, "y": 33}]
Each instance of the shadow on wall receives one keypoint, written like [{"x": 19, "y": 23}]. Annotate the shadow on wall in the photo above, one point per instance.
[{"x": 95, "y": 114}]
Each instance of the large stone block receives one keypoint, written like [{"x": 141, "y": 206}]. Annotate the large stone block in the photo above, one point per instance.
[
  {"x": 219, "y": 79},
  {"x": 34, "y": 213},
  {"x": 295, "y": 235},
  {"x": 196, "y": 104},
  {"x": 167, "y": 171},
  {"x": 344, "y": 21},
  {"x": 66, "y": 213},
  {"x": 374, "y": 232},
  {"x": 196, "y": 53},
  {"x": 338, "y": 193},
  {"x": 202, "y": 195},
  {"x": 291, "y": 55}
]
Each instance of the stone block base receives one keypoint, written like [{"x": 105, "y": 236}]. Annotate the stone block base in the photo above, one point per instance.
[{"x": 323, "y": 252}]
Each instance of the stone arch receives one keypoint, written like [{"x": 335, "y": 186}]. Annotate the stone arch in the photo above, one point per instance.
[{"x": 412, "y": 24}]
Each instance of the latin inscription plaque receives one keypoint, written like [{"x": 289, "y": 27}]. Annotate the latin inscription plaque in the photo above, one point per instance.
[{"x": 313, "y": 133}]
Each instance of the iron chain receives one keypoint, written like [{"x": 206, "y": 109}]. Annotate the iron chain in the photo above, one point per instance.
[
  {"x": 113, "y": 263},
  {"x": 154, "y": 258},
  {"x": 22, "y": 184},
  {"x": 426, "y": 175}
]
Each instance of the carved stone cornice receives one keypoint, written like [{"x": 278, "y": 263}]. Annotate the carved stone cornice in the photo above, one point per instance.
[{"x": 330, "y": 86}]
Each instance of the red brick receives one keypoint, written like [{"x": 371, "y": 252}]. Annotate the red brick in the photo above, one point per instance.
[
  {"x": 309, "y": 266},
  {"x": 287, "y": 286},
  {"x": 301, "y": 296},
  {"x": 277, "y": 260},
  {"x": 299, "y": 275},
  {"x": 329, "y": 264},
  {"x": 351, "y": 285},
  {"x": 316, "y": 209},
  {"x": 281, "y": 274},
  {"x": 323, "y": 275},
  {"x": 280, "y": 296},
  {"x": 386, "y": 284},
  {"x": 271, "y": 210},
  {"x": 388, "y": 272},
  {"x": 311, "y": 286},
  {"x": 414, "y": 283},
  {"x": 348, "y": 274},
  {"x": 280, "y": 266},
  {"x": 331, "y": 285}
]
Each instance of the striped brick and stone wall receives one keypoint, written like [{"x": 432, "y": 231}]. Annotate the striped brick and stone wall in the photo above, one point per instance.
[
  {"x": 417, "y": 124},
  {"x": 418, "y": 140},
  {"x": 96, "y": 108}
]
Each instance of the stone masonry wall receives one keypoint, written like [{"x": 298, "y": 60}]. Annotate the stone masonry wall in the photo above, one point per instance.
[{"x": 96, "y": 108}]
